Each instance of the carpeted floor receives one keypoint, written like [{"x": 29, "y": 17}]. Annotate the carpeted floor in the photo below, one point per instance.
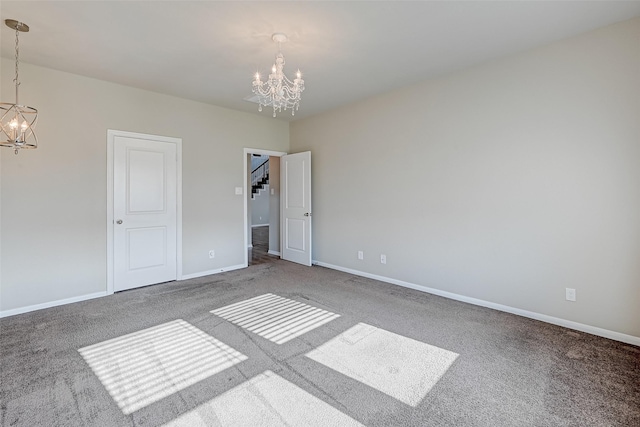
[{"x": 282, "y": 344}]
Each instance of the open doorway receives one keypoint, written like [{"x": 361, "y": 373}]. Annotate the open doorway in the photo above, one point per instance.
[
  {"x": 262, "y": 205},
  {"x": 262, "y": 193}
]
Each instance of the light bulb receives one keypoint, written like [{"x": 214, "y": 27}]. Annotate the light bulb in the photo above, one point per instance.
[
  {"x": 273, "y": 69},
  {"x": 13, "y": 124},
  {"x": 24, "y": 126},
  {"x": 298, "y": 74},
  {"x": 257, "y": 77}
]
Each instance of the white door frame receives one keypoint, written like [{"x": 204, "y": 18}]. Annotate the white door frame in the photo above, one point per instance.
[
  {"x": 111, "y": 134},
  {"x": 246, "y": 152}
]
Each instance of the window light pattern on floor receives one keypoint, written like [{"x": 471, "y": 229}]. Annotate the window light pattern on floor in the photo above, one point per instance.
[
  {"x": 275, "y": 318},
  {"x": 143, "y": 367},
  {"x": 401, "y": 367},
  {"x": 265, "y": 400}
]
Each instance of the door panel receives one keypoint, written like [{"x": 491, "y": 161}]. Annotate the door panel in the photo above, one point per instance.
[
  {"x": 145, "y": 212},
  {"x": 295, "y": 229},
  {"x": 147, "y": 247},
  {"x": 295, "y": 179},
  {"x": 146, "y": 182}
]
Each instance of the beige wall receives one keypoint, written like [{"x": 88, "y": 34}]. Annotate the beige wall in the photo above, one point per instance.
[
  {"x": 53, "y": 232},
  {"x": 260, "y": 207},
  {"x": 507, "y": 182}
]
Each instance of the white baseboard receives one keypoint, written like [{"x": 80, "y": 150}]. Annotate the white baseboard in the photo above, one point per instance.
[
  {"x": 617, "y": 336},
  {"x": 50, "y": 304},
  {"x": 259, "y": 225},
  {"x": 210, "y": 272},
  {"x": 273, "y": 253}
]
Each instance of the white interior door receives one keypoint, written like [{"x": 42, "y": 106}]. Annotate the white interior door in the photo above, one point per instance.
[
  {"x": 295, "y": 183},
  {"x": 144, "y": 212}
]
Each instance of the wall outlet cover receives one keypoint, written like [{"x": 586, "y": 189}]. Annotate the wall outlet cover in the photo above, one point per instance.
[{"x": 570, "y": 294}]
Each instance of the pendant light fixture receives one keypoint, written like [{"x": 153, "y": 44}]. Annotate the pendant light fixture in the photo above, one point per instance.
[
  {"x": 17, "y": 121},
  {"x": 278, "y": 91}
]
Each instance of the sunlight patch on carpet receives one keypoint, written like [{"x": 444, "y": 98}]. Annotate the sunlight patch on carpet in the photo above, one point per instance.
[
  {"x": 400, "y": 367},
  {"x": 275, "y": 318},
  {"x": 264, "y": 400},
  {"x": 143, "y": 367}
]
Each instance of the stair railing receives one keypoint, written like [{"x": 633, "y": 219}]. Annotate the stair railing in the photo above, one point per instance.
[{"x": 260, "y": 173}]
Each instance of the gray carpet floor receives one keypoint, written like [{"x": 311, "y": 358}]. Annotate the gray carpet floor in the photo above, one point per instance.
[{"x": 498, "y": 369}]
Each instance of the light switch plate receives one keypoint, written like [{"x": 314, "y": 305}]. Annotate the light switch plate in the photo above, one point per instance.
[{"x": 238, "y": 191}]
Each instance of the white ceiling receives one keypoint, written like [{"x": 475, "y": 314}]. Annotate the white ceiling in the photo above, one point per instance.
[{"x": 209, "y": 50}]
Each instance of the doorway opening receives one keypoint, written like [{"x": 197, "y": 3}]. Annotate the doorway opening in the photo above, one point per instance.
[
  {"x": 261, "y": 191},
  {"x": 262, "y": 205}
]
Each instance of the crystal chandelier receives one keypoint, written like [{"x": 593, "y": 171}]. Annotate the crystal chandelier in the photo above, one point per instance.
[
  {"x": 17, "y": 121},
  {"x": 279, "y": 92}
]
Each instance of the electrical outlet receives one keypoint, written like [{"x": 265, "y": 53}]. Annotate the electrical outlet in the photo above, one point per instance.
[
  {"x": 212, "y": 254},
  {"x": 383, "y": 259},
  {"x": 360, "y": 255},
  {"x": 570, "y": 294}
]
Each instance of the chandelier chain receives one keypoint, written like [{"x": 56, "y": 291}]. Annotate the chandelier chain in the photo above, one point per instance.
[{"x": 17, "y": 82}]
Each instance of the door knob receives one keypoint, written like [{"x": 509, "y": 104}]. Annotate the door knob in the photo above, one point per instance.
[
  {"x": 307, "y": 214},
  {"x": 119, "y": 221}
]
